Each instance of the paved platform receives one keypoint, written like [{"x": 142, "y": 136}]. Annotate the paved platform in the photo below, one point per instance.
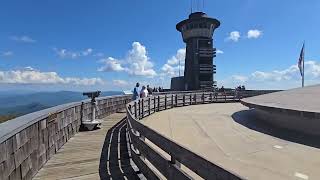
[
  {"x": 229, "y": 135},
  {"x": 79, "y": 158},
  {"x": 299, "y": 99}
]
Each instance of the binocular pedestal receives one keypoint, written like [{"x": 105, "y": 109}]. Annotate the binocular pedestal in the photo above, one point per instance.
[{"x": 91, "y": 124}]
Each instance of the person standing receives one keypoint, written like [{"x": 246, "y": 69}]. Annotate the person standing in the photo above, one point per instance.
[
  {"x": 135, "y": 95},
  {"x": 149, "y": 90},
  {"x": 143, "y": 92}
]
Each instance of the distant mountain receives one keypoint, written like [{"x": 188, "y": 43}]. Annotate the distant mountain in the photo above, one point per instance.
[
  {"x": 23, "y": 109},
  {"x": 24, "y": 103}
]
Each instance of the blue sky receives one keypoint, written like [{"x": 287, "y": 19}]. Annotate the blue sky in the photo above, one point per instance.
[{"x": 109, "y": 45}]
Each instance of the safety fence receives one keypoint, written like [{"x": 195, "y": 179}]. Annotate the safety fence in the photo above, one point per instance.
[{"x": 147, "y": 156}]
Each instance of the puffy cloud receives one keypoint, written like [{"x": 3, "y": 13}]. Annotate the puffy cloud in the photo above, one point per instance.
[
  {"x": 276, "y": 75},
  {"x": 30, "y": 75},
  {"x": 25, "y": 39},
  {"x": 171, "y": 68},
  {"x": 277, "y": 79},
  {"x": 64, "y": 53},
  {"x": 6, "y": 53},
  {"x": 254, "y": 33},
  {"x": 234, "y": 36},
  {"x": 111, "y": 64},
  {"x": 135, "y": 63}
]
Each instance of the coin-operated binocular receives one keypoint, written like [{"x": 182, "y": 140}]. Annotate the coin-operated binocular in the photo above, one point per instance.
[
  {"x": 87, "y": 122},
  {"x": 92, "y": 95}
]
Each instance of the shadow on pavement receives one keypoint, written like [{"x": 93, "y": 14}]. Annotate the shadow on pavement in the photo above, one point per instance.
[
  {"x": 110, "y": 165},
  {"x": 248, "y": 119}
]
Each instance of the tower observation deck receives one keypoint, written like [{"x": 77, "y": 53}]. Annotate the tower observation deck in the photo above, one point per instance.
[{"x": 197, "y": 32}]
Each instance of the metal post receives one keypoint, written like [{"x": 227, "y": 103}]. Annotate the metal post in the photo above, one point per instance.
[
  {"x": 211, "y": 99},
  {"x": 195, "y": 98}
]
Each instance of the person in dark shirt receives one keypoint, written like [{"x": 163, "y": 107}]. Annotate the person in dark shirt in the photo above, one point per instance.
[
  {"x": 149, "y": 90},
  {"x": 136, "y": 95}
]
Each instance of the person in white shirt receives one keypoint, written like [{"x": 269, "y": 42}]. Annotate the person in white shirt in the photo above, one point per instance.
[{"x": 143, "y": 92}]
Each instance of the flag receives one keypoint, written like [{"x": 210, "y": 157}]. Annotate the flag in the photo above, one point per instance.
[{"x": 301, "y": 61}]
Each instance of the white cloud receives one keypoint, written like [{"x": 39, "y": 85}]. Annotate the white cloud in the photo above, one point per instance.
[
  {"x": 64, "y": 53},
  {"x": 234, "y": 36},
  {"x": 24, "y": 38},
  {"x": 219, "y": 51},
  {"x": 111, "y": 64},
  {"x": 171, "y": 68},
  {"x": 277, "y": 79},
  {"x": 29, "y": 75},
  {"x": 135, "y": 63},
  {"x": 6, "y": 54},
  {"x": 254, "y": 33},
  {"x": 120, "y": 83}
]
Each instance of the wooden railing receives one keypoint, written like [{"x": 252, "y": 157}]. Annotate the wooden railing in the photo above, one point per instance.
[{"x": 170, "y": 167}]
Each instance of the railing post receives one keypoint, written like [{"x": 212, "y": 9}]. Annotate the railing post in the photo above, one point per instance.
[
  {"x": 135, "y": 109},
  {"x": 225, "y": 97},
  {"x": 184, "y": 99},
  {"x": 149, "y": 105},
  {"x": 130, "y": 108},
  {"x": 142, "y": 107},
  {"x": 172, "y": 101},
  {"x": 154, "y": 104},
  {"x": 176, "y": 100},
  {"x": 139, "y": 105},
  {"x": 211, "y": 99},
  {"x": 165, "y": 101},
  {"x": 158, "y": 102},
  {"x": 195, "y": 98},
  {"x": 202, "y": 98},
  {"x": 174, "y": 161},
  {"x": 216, "y": 95}
]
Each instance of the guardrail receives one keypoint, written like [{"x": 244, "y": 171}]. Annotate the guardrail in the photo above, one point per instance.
[
  {"x": 29, "y": 141},
  {"x": 171, "y": 168}
]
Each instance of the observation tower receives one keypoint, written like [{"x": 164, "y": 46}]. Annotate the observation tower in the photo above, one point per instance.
[{"x": 197, "y": 32}]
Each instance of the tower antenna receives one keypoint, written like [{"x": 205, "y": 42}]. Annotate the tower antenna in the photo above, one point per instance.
[
  {"x": 191, "y": 5},
  {"x": 203, "y": 6}
]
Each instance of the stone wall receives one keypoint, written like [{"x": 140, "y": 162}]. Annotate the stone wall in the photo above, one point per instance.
[{"x": 28, "y": 142}]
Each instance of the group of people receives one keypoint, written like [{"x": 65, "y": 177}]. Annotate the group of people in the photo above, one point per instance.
[
  {"x": 240, "y": 88},
  {"x": 145, "y": 91}
]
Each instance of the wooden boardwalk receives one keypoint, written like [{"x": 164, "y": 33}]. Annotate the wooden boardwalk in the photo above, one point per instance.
[{"x": 79, "y": 158}]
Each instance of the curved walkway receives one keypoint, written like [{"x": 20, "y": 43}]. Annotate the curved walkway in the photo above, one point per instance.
[
  {"x": 229, "y": 135},
  {"x": 81, "y": 156}
]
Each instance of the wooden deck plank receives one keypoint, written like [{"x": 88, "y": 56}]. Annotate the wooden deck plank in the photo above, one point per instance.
[{"x": 79, "y": 157}]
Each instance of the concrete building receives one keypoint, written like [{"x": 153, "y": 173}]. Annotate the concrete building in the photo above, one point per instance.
[{"x": 197, "y": 32}]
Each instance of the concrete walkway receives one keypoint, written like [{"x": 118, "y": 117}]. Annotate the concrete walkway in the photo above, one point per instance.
[
  {"x": 79, "y": 158},
  {"x": 230, "y": 136}
]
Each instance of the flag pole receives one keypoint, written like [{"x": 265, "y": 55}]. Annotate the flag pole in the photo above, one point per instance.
[{"x": 304, "y": 47}]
